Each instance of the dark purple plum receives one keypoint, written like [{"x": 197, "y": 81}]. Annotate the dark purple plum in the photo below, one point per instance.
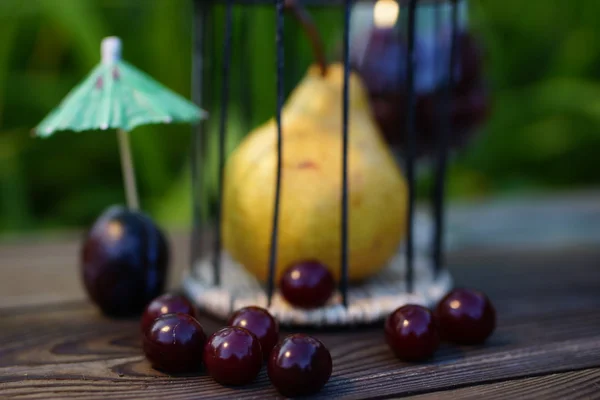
[
  {"x": 124, "y": 262},
  {"x": 383, "y": 71}
]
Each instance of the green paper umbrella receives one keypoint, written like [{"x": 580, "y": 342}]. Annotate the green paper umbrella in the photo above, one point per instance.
[{"x": 119, "y": 96}]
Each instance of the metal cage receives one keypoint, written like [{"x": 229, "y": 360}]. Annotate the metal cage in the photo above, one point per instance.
[{"x": 203, "y": 53}]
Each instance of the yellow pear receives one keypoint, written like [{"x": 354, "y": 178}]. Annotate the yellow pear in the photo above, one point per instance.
[{"x": 310, "y": 208}]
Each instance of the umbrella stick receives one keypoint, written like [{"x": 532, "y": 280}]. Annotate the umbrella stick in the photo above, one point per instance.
[{"x": 128, "y": 172}]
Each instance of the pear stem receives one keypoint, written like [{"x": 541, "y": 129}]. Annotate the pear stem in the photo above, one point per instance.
[{"x": 310, "y": 28}]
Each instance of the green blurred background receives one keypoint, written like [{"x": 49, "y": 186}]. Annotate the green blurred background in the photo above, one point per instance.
[{"x": 543, "y": 65}]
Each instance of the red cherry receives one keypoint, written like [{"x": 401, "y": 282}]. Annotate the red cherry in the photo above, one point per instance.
[
  {"x": 466, "y": 316},
  {"x": 233, "y": 356},
  {"x": 412, "y": 333},
  {"x": 307, "y": 284},
  {"x": 299, "y": 366},
  {"x": 262, "y": 324},
  {"x": 174, "y": 343},
  {"x": 166, "y": 304}
]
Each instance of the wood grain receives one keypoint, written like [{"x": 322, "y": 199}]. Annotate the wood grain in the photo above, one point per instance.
[
  {"x": 73, "y": 352},
  {"x": 583, "y": 384},
  {"x": 43, "y": 272},
  {"x": 549, "y": 322}
]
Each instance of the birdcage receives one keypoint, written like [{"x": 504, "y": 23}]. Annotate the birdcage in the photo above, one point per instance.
[{"x": 425, "y": 38}]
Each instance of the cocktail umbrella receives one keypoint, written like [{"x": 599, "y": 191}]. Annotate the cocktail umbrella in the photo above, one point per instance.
[{"x": 116, "y": 95}]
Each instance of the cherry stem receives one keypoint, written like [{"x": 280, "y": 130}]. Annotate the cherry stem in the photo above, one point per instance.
[{"x": 311, "y": 31}]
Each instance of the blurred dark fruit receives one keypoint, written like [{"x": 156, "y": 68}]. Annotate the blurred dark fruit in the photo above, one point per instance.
[
  {"x": 466, "y": 316},
  {"x": 262, "y": 324},
  {"x": 383, "y": 71},
  {"x": 412, "y": 333},
  {"x": 233, "y": 356},
  {"x": 166, "y": 304},
  {"x": 124, "y": 262},
  {"x": 299, "y": 366},
  {"x": 174, "y": 343},
  {"x": 307, "y": 284}
]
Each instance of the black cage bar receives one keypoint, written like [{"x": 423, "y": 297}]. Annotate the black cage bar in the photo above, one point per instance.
[{"x": 204, "y": 49}]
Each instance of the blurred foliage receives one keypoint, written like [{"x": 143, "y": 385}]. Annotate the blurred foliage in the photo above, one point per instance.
[{"x": 543, "y": 68}]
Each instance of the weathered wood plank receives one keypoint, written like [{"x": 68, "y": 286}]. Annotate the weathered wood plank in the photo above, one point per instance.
[
  {"x": 72, "y": 351},
  {"x": 43, "y": 272},
  {"x": 549, "y": 317},
  {"x": 525, "y": 280},
  {"x": 584, "y": 384}
]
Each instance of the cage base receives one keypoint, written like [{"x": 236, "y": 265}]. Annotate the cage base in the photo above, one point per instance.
[{"x": 368, "y": 302}]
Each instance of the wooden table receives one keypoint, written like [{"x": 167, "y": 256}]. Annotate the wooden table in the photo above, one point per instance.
[{"x": 54, "y": 344}]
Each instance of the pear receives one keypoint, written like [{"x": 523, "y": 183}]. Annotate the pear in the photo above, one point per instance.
[{"x": 310, "y": 202}]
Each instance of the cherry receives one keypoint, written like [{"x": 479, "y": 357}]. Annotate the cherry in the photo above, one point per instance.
[
  {"x": 262, "y": 324},
  {"x": 174, "y": 343},
  {"x": 466, "y": 316},
  {"x": 307, "y": 284},
  {"x": 124, "y": 262},
  {"x": 233, "y": 356},
  {"x": 300, "y": 365},
  {"x": 412, "y": 333},
  {"x": 166, "y": 304}
]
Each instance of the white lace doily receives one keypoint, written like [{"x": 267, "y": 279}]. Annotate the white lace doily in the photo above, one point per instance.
[{"x": 369, "y": 302}]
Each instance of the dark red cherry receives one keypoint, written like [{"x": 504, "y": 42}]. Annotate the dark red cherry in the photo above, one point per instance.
[
  {"x": 307, "y": 284},
  {"x": 166, "y": 304},
  {"x": 174, "y": 343},
  {"x": 124, "y": 262},
  {"x": 299, "y": 366},
  {"x": 466, "y": 316},
  {"x": 262, "y": 324},
  {"x": 412, "y": 333},
  {"x": 233, "y": 356}
]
